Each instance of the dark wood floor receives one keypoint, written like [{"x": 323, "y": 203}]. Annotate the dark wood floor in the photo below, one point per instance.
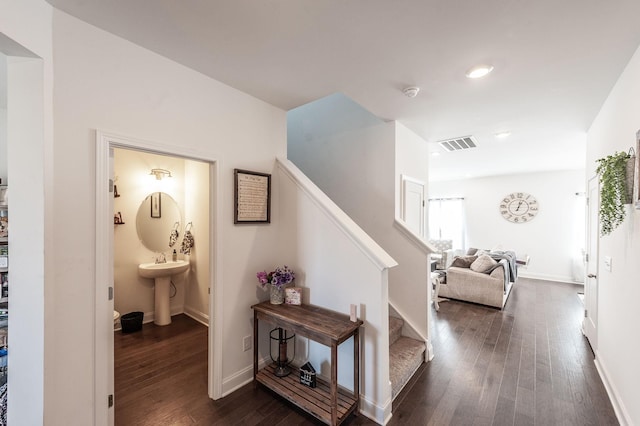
[{"x": 526, "y": 365}]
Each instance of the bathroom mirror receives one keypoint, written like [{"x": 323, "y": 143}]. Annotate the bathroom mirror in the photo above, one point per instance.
[{"x": 157, "y": 217}]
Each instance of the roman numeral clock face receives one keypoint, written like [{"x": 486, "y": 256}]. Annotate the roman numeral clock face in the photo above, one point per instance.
[{"x": 519, "y": 207}]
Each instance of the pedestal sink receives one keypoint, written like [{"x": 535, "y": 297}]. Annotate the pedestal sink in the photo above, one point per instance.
[{"x": 162, "y": 273}]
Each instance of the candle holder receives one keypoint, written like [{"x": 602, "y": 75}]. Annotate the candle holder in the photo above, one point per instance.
[{"x": 281, "y": 338}]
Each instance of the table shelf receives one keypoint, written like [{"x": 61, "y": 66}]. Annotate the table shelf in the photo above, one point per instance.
[
  {"x": 327, "y": 401},
  {"x": 315, "y": 401}
]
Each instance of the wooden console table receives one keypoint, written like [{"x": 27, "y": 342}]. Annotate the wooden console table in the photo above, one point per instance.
[{"x": 326, "y": 401}]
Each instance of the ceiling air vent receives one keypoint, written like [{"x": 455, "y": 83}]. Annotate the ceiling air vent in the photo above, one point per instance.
[{"x": 456, "y": 144}]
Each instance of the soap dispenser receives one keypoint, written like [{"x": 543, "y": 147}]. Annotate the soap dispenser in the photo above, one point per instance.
[{"x": 174, "y": 257}]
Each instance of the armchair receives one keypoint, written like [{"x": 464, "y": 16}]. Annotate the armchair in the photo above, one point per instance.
[{"x": 444, "y": 254}]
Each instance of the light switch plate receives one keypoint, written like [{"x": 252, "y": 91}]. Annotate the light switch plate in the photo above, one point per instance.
[{"x": 607, "y": 263}]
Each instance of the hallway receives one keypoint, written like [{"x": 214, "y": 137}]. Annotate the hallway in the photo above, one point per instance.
[{"x": 526, "y": 365}]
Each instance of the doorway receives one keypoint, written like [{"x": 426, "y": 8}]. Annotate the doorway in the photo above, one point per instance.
[
  {"x": 590, "y": 323},
  {"x": 413, "y": 204},
  {"x": 106, "y": 213}
]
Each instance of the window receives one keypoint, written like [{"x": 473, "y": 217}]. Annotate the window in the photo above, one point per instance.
[{"x": 446, "y": 220}]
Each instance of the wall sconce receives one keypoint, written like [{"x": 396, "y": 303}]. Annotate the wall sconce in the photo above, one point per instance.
[{"x": 160, "y": 173}]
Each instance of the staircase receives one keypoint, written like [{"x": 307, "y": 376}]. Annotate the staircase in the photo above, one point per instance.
[{"x": 405, "y": 356}]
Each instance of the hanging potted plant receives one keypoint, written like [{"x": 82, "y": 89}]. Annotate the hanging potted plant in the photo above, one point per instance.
[{"x": 615, "y": 189}]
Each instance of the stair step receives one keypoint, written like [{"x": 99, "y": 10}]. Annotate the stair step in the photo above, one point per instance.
[
  {"x": 405, "y": 356},
  {"x": 395, "y": 329}
]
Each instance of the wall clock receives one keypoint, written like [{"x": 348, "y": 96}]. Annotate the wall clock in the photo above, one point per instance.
[{"x": 519, "y": 207}]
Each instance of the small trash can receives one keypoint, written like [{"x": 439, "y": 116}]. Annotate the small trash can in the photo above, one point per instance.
[{"x": 131, "y": 322}]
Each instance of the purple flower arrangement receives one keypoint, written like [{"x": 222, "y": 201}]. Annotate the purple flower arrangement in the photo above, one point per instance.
[{"x": 279, "y": 278}]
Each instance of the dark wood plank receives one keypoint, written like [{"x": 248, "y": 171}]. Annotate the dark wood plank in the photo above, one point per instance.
[
  {"x": 319, "y": 324},
  {"x": 526, "y": 364}
]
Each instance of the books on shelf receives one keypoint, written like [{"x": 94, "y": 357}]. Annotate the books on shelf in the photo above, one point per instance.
[{"x": 4, "y": 223}]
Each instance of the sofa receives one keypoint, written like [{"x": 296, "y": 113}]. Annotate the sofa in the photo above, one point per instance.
[
  {"x": 478, "y": 279},
  {"x": 444, "y": 254}
]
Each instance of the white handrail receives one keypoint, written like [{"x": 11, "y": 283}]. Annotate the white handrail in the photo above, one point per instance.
[
  {"x": 418, "y": 241},
  {"x": 362, "y": 240}
]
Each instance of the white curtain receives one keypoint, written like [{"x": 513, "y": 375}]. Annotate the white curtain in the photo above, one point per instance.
[{"x": 446, "y": 220}]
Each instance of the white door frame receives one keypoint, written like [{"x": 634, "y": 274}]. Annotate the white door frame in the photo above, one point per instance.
[
  {"x": 103, "y": 341},
  {"x": 590, "y": 322},
  {"x": 404, "y": 207}
]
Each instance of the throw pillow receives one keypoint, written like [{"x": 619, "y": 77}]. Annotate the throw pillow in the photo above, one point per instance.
[
  {"x": 463, "y": 261},
  {"x": 483, "y": 264}
]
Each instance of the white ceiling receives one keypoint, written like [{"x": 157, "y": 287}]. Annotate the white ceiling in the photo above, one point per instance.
[{"x": 555, "y": 61}]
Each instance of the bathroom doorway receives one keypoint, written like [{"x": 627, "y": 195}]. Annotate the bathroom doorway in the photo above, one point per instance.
[
  {"x": 178, "y": 229},
  {"x": 185, "y": 186}
]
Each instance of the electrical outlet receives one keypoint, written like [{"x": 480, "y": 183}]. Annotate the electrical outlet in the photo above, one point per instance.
[
  {"x": 607, "y": 263},
  {"x": 246, "y": 343}
]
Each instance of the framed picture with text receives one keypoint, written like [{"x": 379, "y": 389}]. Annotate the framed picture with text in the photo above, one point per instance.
[{"x": 252, "y": 197}]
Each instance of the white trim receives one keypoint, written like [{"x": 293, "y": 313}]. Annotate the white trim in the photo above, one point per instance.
[
  {"x": 103, "y": 367},
  {"x": 362, "y": 240},
  {"x": 422, "y": 244},
  {"x": 201, "y": 317},
  {"x": 404, "y": 179},
  {"x": 242, "y": 377},
  {"x": 103, "y": 345},
  {"x": 430, "y": 352},
  {"x": 408, "y": 329},
  {"x": 618, "y": 406},
  {"x": 216, "y": 296},
  {"x": 377, "y": 413},
  {"x": 545, "y": 277}
]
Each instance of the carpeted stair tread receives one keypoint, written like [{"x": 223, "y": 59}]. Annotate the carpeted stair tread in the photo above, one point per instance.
[
  {"x": 395, "y": 329},
  {"x": 405, "y": 356}
]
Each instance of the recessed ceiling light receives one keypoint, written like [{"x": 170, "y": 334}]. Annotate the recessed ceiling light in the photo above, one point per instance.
[
  {"x": 502, "y": 135},
  {"x": 479, "y": 71},
  {"x": 435, "y": 154}
]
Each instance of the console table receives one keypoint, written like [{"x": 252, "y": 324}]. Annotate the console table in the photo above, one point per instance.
[{"x": 327, "y": 402}]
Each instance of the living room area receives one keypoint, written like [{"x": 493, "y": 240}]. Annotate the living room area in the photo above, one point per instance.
[{"x": 468, "y": 214}]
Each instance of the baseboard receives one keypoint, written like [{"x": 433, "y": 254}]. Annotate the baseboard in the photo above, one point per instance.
[
  {"x": 239, "y": 379},
  {"x": 545, "y": 277},
  {"x": 618, "y": 406},
  {"x": 430, "y": 353},
  {"x": 378, "y": 414},
  {"x": 197, "y": 315}
]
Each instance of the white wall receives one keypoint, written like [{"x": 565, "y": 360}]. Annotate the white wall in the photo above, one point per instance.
[
  {"x": 25, "y": 36},
  {"x": 553, "y": 239},
  {"x": 351, "y": 155},
  {"x": 409, "y": 283},
  {"x": 337, "y": 265},
  {"x": 104, "y": 82},
  {"x": 613, "y": 130}
]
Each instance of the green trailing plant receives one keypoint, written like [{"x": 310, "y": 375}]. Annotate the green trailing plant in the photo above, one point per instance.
[{"x": 613, "y": 190}]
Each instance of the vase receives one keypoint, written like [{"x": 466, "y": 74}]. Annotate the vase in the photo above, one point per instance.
[{"x": 276, "y": 295}]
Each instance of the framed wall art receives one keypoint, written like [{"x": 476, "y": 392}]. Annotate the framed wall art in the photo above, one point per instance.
[
  {"x": 252, "y": 197},
  {"x": 156, "y": 205}
]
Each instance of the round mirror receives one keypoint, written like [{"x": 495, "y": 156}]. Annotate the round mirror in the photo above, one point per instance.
[{"x": 157, "y": 216}]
